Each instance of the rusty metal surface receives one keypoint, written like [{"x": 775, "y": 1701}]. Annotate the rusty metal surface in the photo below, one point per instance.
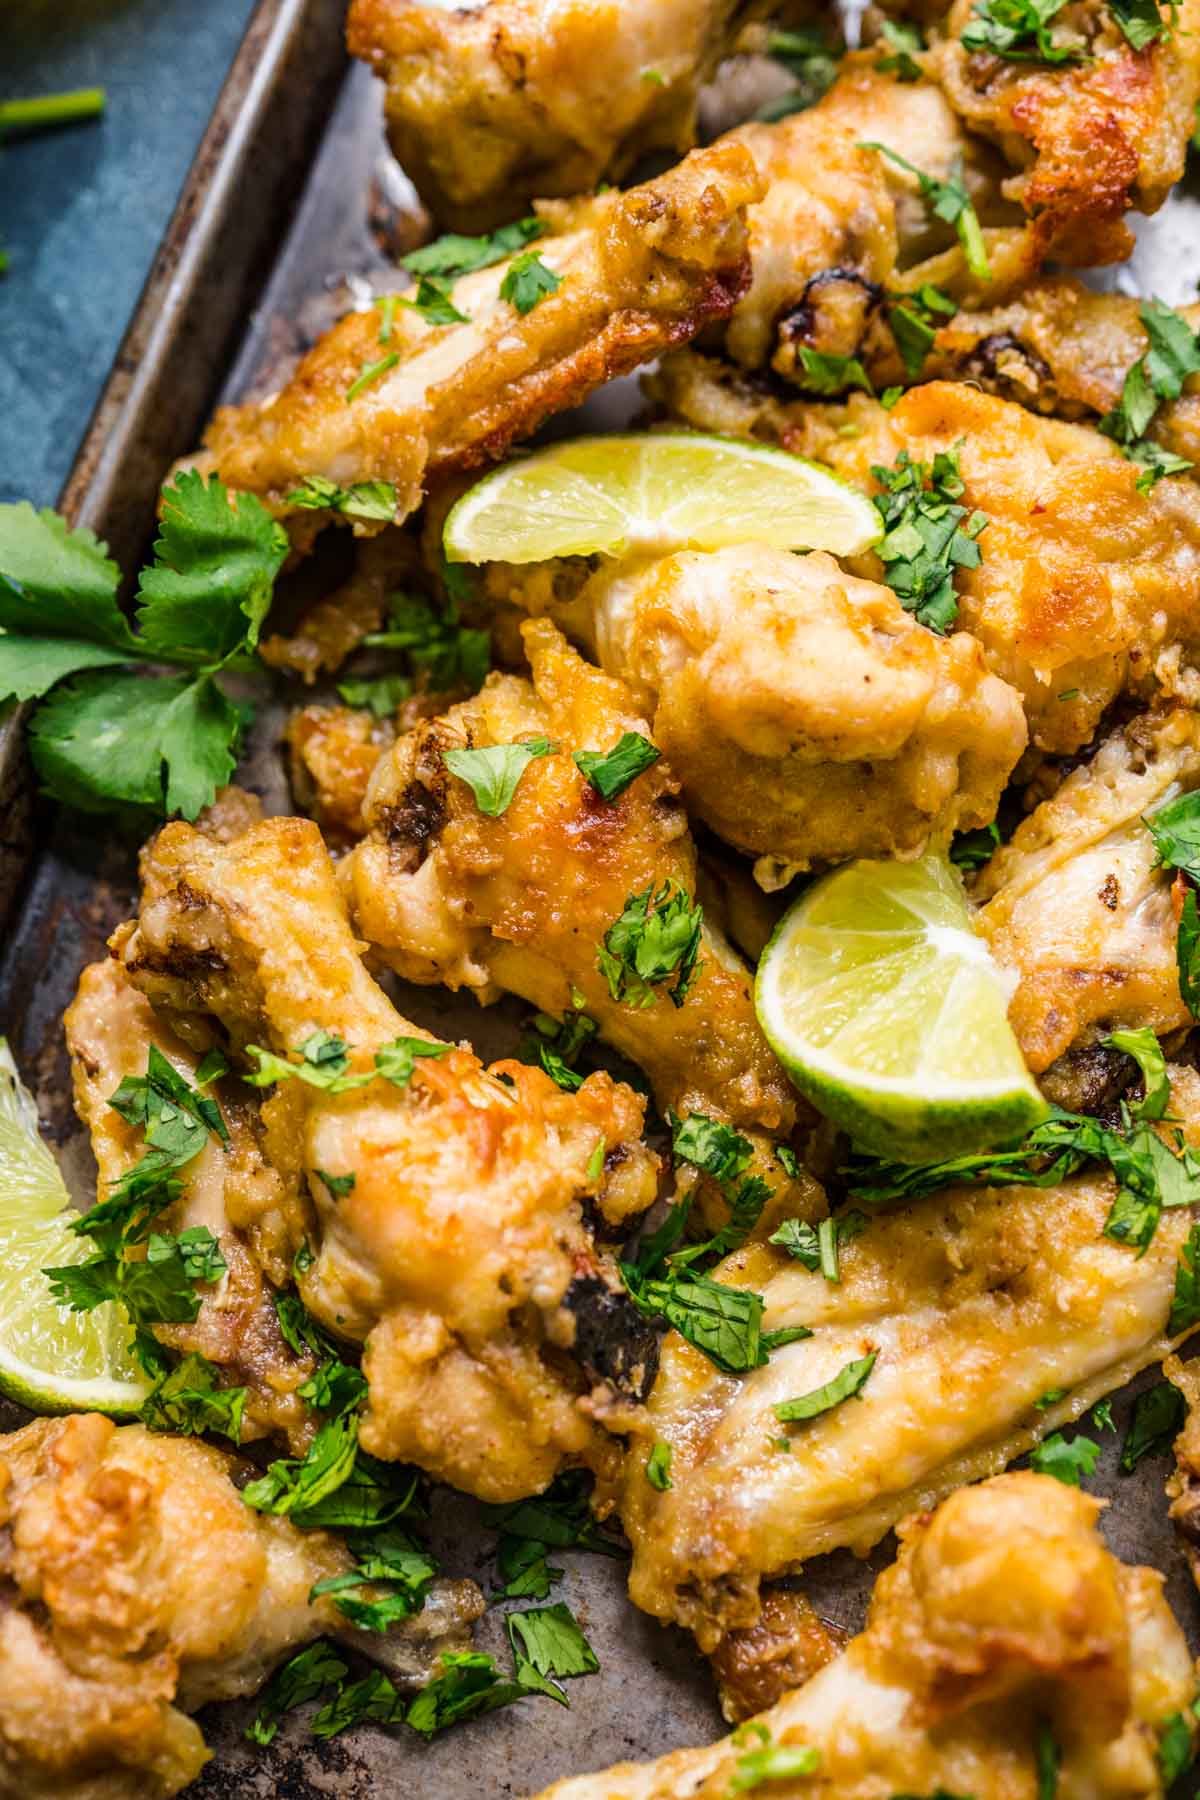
[{"x": 653, "y": 1692}]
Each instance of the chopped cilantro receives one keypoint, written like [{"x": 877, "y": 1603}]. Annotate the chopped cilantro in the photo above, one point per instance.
[
  {"x": 381, "y": 695},
  {"x": 549, "y": 1638},
  {"x": 1175, "y": 1748},
  {"x": 772, "y": 1762},
  {"x": 528, "y": 280},
  {"x": 556, "y": 1045},
  {"x": 324, "y": 1062},
  {"x": 366, "y": 500},
  {"x": 595, "y": 1162},
  {"x": 927, "y": 535},
  {"x": 1146, "y": 1052},
  {"x": 849, "y": 1380},
  {"x": 455, "y": 255},
  {"x": 394, "y": 1567},
  {"x": 1185, "y": 1303},
  {"x": 561, "y": 1518},
  {"x": 304, "y": 1678},
  {"x": 1066, "y": 1461},
  {"x": 809, "y": 59},
  {"x": 611, "y": 771},
  {"x": 658, "y": 1467},
  {"x": 971, "y": 849},
  {"x": 915, "y": 320},
  {"x": 723, "y": 1322},
  {"x": 826, "y": 373},
  {"x": 470, "y": 1684},
  {"x": 111, "y": 739},
  {"x": 788, "y": 1161},
  {"x": 710, "y": 1145},
  {"x": 524, "y": 1569},
  {"x": 494, "y": 772},
  {"x": 47, "y": 112},
  {"x": 337, "y": 1184},
  {"x": 889, "y": 397},
  {"x": 1050, "y": 1398},
  {"x": 905, "y": 42},
  {"x": 447, "y": 653},
  {"x": 433, "y": 302},
  {"x": 1158, "y": 1416},
  {"x": 371, "y": 372},
  {"x": 817, "y": 1246},
  {"x": 948, "y": 200},
  {"x": 1141, "y": 20},
  {"x": 1019, "y": 31},
  {"x": 1047, "y": 1757},
  {"x": 1102, "y": 1417},
  {"x": 396, "y": 1061},
  {"x": 303, "y": 1260},
  {"x": 190, "y": 1400},
  {"x": 1187, "y": 953},
  {"x": 1175, "y": 829},
  {"x": 1173, "y": 356},
  {"x": 656, "y": 937}
]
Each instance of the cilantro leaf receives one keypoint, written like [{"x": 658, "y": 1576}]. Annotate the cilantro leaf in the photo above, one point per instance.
[
  {"x": 455, "y": 255},
  {"x": 215, "y": 561},
  {"x": 433, "y": 302},
  {"x": 471, "y": 1684},
  {"x": 723, "y": 1322},
  {"x": 1146, "y": 1051},
  {"x": 927, "y": 535},
  {"x": 374, "y": 1697},
  {"x": 971, "y": 849},
  {"x": 190, "y": 1400},
  {"x": 556, "y": 1044},
  {"x": 303, "y": 1678},
  {"x": 1174, "y": 1748},
  {"x": 849, "y": 1380},
  {"x": 827, "y": 373},
  {"x": 370, "y": 372},
  {"x": 656, "y": 937},
  {"x": 1173, "y": 356},
  {"x": 397, "y": 1060},
  {"x": 1187, "y": 953},
  {"x": 298, "y": 1485},
  {"x": 817, "y": 1246},
  {"x": 528, "y": 280},
  {"x": 526, "y": 1573},
  {"x": 710, "y": 1145},
  {"x": 948, "y": 200},
  {"x": 58, "y": 603},
  {"x": 1158, "y": 1416},
  {"x": 1047, "y": 1757},
  {"x": 772, "y": 1762},
  {"x": 1140, "y": 20},
  {"x": 1102, "y": 1417},
  {"x": 1175, "y": 829},
  {"x": 1019, "y": 31},
  {"x": 914, "y": 319},
  {"x": 365, "y": 500},
  {"x": 1185, "y": 1303},
  {"x": 493, "y": 773},
  {"x": 436, "y": 645},
  {"x": 390, "y": 1562},
  {"x": 905, "y": 42},
  {"x": 1066, "y": 1461},
  {"x": 335, "y": 1386},
  {"x": 561, "y": 1517},
  {"x": 658, "y": 1467},
  {"x": 324, "y": 1063},
  {"x": 381, "y": 695},
  {"x": 550, "y": 1638},
  {"x": 611, "y": 771}
]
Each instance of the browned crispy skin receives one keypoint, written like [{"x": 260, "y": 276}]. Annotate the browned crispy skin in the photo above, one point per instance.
[
  {"x": 522, "y": 902},
  {"x": 640, "y": 271},
  {"x": 459, "y": 1257},
  {"x": 1076, "y": 901},
  {"x": 1004, "y": 1610},
  {"x": 254, "y": 1214},
  {"x": 1086, "y": 589},
  {"x": 135, "y": 1586},
  {"x": 1091, "y": 139},
  {"x": 332, "y": 751},
  {"x": 784, "y": 1648},
  {"x": 492, "y": 105}
]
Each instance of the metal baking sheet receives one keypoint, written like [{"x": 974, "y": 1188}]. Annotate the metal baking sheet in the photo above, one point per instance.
[{"x": 248, "y": 275}]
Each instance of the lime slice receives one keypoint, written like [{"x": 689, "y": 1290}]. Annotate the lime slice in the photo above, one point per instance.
[
  {"x": 51, "y": 1359},
  {"x": 887, "y": 1010},
  {"x": 656, "y": 493}
]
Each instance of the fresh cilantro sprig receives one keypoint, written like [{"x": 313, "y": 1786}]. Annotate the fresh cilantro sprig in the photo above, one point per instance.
[
  {"x": 948, "y": 200},
  {"x": 527, "y": 281},
  {"x": 433, "y": 303},
  {"x": 927, "y": 534},
  {"x": 109, "y": 738},
  {"x": 657, "y": 937},
  {"x": 549, "y": 1639},
  {"x": 493, "y": 773},
  {"x": 1172, "y": 358},
  {"x": 1019, "y": 31},
  {"x": 1067, "y": 1459},
  {"x": 189, "y": 1400}
]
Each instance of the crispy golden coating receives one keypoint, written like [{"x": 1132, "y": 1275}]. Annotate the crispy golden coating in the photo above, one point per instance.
[
  {"x": 1075, "y": 902},
  {"x": 1058, "y": 347},
  {"x": 135, "y": 1586},
  {"x": 332, "y": 752},
  {"x": 459, "y": 1258},
  {"x": 976, "y": 1302},
  {"x": 809, "y": 716},
  {"x": 234, "y": 1192},
  {"x": 639, "y": 272},
  {"x": 1183, "y": 1486},
  {"x": 492, "y": 105},
  {"x": 522, "y": 902},
  {"x": 1003, "y": 1612},
  {"x": 1092, "y": 138},
  {"x": 1086, "y": 589}
]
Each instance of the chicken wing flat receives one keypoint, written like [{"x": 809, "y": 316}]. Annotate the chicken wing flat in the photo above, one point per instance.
[
  {"x": 445, "y": 1199},
  {"x": 1077, "y": 904},
  {"x": 1086, "y": 589},
  {"x": 1004, "y": 1624},
  {"x": 135, "y": 1586},
  {"x": 976, "y": 1303},
  {"x": 388, "y": 395},
  {"x": 1092, "y": 137},
  {"x": 524, "y": 902},
  {"x": 492, "y": 105},
  {"x": 809, "y": 716}
]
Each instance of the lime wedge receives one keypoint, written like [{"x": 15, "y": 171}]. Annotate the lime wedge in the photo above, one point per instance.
[
  {"x": 886, "y": 1009},
  {"x": 656, "y": 493},
  {"x": 51, "y": 1359}
]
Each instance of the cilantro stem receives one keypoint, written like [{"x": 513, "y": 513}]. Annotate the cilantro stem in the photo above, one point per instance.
[
  {"x": 371, "y": 373},
  {"x": 49, "y": 110}
]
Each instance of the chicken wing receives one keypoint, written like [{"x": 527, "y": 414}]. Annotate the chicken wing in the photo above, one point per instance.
[
  {"x": 1076, "y": 904},
  {"x": 492, "y": 105},
  {"x": 135, "y": 1587},
  {"x": 976, "y": 1303},
  {"x": 1005, "y": 1623},
  {"x": 390, "y": 396},
  {"x": 457, "y": 1253},
  {"x": 1092, "y": 137},
  {"x": 523, "y": 902},
  {"x": 809, "y": 716},
  {"x": 1086, "y": 589}
]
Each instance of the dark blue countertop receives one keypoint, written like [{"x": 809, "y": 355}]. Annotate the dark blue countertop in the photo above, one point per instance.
[{"x": 82, "y": 209}]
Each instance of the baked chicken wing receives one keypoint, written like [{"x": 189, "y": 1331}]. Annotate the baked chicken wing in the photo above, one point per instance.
[
  {"x": 491, "y": 105},
  {"x": 975, "y": 1304},
  {"x": 1005, "y": 1639},
  {"x": 443, "y": 1200},
  {"x": 136, "y": 1586},
  {"x": 809, "y": 716},
  {"x": 388, "y": 395}
]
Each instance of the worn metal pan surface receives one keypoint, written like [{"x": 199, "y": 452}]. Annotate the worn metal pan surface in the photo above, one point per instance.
[{"x": 292, "y": 200}]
